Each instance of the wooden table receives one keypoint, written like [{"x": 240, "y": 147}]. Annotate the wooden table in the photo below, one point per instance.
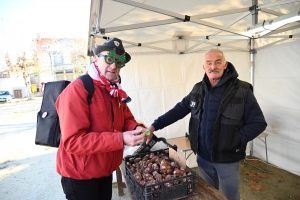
[
  {"x": 183, "y": 144},
  {"x": 205, "y": 191}
]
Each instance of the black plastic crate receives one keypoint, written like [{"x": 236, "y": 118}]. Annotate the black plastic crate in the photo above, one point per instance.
[{"x": 182, "y": 187}]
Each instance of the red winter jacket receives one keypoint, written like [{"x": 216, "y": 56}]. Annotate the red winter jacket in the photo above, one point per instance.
[{"x": 91, "y": 144}]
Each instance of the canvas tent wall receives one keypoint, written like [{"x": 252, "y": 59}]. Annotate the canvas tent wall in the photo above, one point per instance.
[
  {"x": 277, "y": 79},
  {"x": 167, "y": 40}
]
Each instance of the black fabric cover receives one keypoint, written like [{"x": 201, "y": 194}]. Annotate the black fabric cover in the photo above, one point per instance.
[{"x": 47, "y": 128}]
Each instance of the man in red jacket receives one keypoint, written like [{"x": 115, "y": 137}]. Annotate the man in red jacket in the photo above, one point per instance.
[{"x": 93, "y": 135}]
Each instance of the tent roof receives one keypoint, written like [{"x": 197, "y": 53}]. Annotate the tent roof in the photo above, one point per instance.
[{"x": 177, "y": 26}]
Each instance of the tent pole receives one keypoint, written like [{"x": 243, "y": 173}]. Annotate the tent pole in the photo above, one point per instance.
[
  {"x": 254, "y": 12},
  {"x": 251, "y": 61}
]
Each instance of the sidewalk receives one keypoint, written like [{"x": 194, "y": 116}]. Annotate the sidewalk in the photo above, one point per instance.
[
  {"x": 27, "y": 171},
  {"x": 26, "y": 99}
]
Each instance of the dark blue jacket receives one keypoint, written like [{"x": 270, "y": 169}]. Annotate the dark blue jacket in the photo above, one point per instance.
[{"x": 223, "y": 118}]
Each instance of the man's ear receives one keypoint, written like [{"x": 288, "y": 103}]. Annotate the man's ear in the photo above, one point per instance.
[
  {"x": 226, "y": 64},
  {"x": 95, "y": 58}
]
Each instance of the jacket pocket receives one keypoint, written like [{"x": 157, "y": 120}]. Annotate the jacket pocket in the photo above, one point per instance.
[
  {"x": 233, "y": 112},
  {"x": 230, "y": 139}
]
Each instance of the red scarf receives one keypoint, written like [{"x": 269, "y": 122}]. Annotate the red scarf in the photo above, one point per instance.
[{"x": 113, "y": 88}]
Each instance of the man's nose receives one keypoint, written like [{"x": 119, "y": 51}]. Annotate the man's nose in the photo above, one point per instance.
[
  {"x": 213, "y": 66},
  {"x": 113, "y": 65}
]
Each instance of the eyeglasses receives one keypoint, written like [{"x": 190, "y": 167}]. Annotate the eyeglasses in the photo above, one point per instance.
[{"x": 120, "y": 62}]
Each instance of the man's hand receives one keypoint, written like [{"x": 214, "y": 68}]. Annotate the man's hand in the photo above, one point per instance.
[
  {"x": 151, "y": 129},
  {"x": 134, "y": 138},
  {"x": 140, "y": 128}
]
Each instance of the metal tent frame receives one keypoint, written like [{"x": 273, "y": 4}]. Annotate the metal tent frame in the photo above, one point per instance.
[
  {"x": 97, "y": 31},
  {"x": 146, "y": 26}
]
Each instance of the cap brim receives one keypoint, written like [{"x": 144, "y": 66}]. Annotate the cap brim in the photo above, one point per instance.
[{"x": 128, "y": 57}]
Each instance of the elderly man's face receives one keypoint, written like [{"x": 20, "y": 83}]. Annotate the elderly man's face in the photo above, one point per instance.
[
  {"x": 110, "y": 71},
  {"x": 214, "y": 66}
]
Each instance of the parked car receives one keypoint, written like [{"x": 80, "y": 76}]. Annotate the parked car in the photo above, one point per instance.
[{"x": 5, "y": 96}]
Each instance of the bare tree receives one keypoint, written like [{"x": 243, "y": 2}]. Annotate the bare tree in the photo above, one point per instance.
[
  {"x": 79, "y": 60},
  {"x": 79, "y": 57},
  {"x": 24, "y": 66}
]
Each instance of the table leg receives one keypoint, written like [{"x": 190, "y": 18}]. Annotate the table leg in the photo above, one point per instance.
[{"x": 120, "y": 182}]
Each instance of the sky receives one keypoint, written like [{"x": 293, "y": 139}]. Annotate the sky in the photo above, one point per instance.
[
  {"x": 23, "y": 19},
  {"x": 49, "y": 18}
]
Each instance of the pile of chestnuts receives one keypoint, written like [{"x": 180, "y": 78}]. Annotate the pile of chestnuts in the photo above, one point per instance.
[{"x": 156, "y": 168}]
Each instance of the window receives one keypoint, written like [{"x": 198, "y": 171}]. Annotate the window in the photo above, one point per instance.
[{"x": 58, "y": 59}]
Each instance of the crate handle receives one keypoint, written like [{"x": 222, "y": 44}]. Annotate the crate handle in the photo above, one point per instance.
[{"x": 168, "y": 144}]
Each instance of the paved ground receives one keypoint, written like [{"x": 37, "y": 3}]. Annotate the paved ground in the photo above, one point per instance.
[{"x": 27, "y": 171}]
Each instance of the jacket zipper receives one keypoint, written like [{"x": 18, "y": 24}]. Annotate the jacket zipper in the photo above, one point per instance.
[
  {"x": 112, "y": 114},
  {"x": 212, "y": 159},
  {"x": 113, "y": 128},
  {"x": 204, "y": 128}
]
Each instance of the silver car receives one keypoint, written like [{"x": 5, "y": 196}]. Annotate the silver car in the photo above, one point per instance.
[{"x": 5, "y": 96}]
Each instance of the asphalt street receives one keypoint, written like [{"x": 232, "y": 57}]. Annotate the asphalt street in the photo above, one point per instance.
[{"x": 27, "y": 171}]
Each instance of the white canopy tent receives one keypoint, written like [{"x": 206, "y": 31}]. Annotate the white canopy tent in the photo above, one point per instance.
[{"x": 167, "y": 40}]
